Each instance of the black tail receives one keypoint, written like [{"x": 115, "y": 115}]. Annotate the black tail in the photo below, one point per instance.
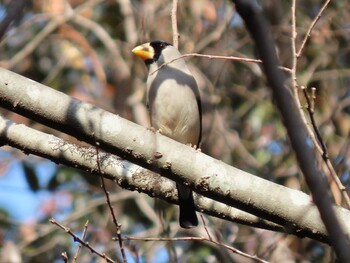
[{"x": 188, "y": 217}]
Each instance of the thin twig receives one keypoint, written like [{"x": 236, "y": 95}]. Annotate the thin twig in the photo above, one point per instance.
[
  {"x": 294, "y": 57},
  {"x": 64, "y": 257},
  {"x": 174, "y": 24},
  {"x": 205, "y": 228},
  {"x": 162, "y": 239},
  {"x": 294, "y": 80},
  {"x": 312, "y": 130},
  {"x": 82, "y": 238},
  {"x": 118, "y": 226},
  {"x": 315, "y": 133},
  {"x": 77, "y": 239},
  {"x": 313, "y": 98},
  {"x": 308, "y": 34},
  {"x": 320, "y": 145},
  {"x": 310, "y": 109},
  {"x": 250, "y": 60},
  {"x": 324, "y": 153},
  {"x": 222, "y": 57}
]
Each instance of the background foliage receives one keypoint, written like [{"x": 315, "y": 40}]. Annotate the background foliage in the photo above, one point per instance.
[{"x": 83, "y": 48}]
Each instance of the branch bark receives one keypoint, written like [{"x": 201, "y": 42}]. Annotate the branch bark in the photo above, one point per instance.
[
  {"x": 297, "y": 131},
  {"x": 211, "y": 178},
  {"x": 126, "y": 174}
]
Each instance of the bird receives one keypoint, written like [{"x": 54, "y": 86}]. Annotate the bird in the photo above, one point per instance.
[{"x": 174, "y": 106}]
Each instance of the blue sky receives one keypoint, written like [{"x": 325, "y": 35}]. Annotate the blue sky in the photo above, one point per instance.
[{"x": 20, "y": 202}]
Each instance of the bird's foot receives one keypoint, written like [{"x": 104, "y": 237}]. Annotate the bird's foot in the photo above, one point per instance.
[
  {"x": 194, "y": 146},
  {"x": 152, "y": 129}
]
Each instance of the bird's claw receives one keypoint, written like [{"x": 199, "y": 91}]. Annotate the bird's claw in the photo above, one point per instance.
[{"x": 152, "y": 129}]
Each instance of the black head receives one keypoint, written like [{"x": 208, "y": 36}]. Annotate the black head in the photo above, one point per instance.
[{"x": 158, "y": 46}]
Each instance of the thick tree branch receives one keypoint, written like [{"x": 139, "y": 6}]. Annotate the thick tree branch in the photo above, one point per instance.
[
  {"x": 213, "y": 179},
  {"x": 124, "y": 173},
  {"x": 297, "y": 131}
]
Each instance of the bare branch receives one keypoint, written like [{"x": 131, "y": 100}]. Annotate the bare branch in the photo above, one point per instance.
[
  {"x": 249, "y": 60},
  {"x": 176, "y": 35},
  {"x": 103, "y": 185},
  {"x": 297, "y": 132},
  {"x": 324, "y": 152},
  {"x": 313, "y": 24},
  {"x": 230, "y": 248},
  {"x": 82, "y": 242},
  {"x": 312, "y": 129},
  {"x": 126, "y": 174},
  {"x": 198, "y": 171},
  {"x": 82, "y": 238}
]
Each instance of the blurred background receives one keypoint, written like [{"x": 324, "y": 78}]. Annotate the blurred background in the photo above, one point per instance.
[{"x": 83, "y": 48}]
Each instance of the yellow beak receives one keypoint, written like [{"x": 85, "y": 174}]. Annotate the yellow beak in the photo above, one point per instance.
[{"x": 144, "y": 51}]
